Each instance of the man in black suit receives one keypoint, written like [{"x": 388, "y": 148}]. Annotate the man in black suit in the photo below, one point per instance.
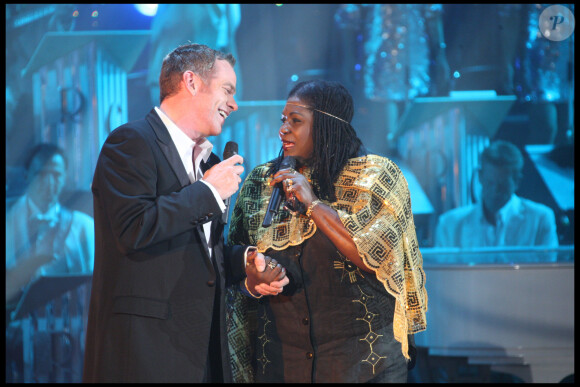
[{"x": 161, "y": 267}]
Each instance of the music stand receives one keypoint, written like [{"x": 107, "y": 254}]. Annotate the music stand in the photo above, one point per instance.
[
  {"x": 484, "y": 113},
  {"x": 44, "y": 289}
]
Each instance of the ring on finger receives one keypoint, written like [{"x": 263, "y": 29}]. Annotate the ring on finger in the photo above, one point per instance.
[
  {"x": 288, "y": 183},
  {"x": 272, "y": 265}
]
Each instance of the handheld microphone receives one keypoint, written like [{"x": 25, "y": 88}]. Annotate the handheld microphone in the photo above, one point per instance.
[
  {"x": 230, "y": 149},
  {"x": 277, "y": 193}
]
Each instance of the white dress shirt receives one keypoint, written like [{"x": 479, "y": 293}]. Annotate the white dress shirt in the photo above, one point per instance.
[
  {"x": 76, "y": 252},
  {"x": 185, "y": 146},
  {"x": 520, "y": 222}
]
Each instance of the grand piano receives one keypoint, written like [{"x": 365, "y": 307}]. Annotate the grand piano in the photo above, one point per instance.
[{"x": 510, "y": 309}]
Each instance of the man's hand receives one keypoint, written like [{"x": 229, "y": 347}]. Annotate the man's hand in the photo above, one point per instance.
[
  {"x": 225, "y": 176},
  {"x": 264, "y": 275}
]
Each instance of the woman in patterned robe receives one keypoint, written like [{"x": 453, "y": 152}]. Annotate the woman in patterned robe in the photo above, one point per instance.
[{"x": 346, "y": 237}]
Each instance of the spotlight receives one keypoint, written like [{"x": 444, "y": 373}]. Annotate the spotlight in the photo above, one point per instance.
[{"x": 147, "y": 9}]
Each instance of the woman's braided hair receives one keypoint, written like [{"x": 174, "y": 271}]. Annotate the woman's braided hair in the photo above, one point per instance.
[{"x": 335, "y": 141}]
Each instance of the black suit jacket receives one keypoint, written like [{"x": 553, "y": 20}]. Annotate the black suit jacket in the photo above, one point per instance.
[{"x": 153, "y": 282}]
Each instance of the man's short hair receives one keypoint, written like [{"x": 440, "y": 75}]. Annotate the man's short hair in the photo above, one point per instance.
[
  {"x": 198, "y": 58},
  {"x": 503, "y": 154},
  {"x": 44, "y": 152}
]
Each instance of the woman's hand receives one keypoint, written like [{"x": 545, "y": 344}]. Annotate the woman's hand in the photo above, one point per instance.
[
  {"x": 295, "y": 185},
  {"x": 264, "y": 275},
  {"x": 326, "y": 218}
]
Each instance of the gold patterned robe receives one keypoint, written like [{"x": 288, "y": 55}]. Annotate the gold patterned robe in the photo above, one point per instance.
[{"x": 338, "y": 309}]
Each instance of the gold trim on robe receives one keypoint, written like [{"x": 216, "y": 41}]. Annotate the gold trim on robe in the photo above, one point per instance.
[{"x": 374, "y": 204}]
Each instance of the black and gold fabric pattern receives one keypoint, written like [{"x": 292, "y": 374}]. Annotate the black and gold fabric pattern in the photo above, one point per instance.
[{"x": 374, "y": 204}]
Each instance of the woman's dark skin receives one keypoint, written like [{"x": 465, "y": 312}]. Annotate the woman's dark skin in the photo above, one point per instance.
[
  {"x": 269, "y": 275},
  {"x": 296, "y": 136}
]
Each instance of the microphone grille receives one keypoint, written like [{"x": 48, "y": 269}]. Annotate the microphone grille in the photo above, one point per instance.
[
  {"x": 288, "y": 162},
  {"x": 230, "y": 149}
]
